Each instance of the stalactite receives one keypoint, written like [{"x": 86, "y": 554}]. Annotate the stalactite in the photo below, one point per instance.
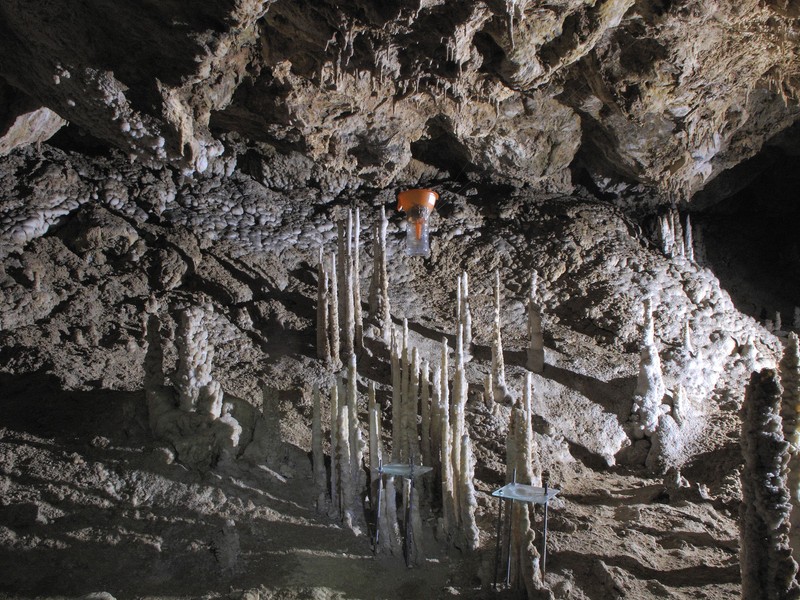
[
  {"x": 535, "y": 335},
  {"x": 318, "y": 459},
  {"x": 498, "y": 362},
  {"x": 768, "y": 570},
  {"x": 323, "y": 341},
  {"x": 333, "y": 312}
]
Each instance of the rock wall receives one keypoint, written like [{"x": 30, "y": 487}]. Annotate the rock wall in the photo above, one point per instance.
[{"x": 661, "y": 94}]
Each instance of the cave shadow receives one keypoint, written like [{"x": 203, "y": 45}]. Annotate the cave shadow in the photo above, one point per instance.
[{"x": 615, "y": 396}]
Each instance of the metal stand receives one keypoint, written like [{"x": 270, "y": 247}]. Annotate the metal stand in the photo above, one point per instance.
[
  {"x": 409, "y": 471},
  {"x": 517, "y": 492}
]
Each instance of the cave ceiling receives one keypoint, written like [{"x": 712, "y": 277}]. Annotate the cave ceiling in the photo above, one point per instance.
[{"x": 659, "y": 96}]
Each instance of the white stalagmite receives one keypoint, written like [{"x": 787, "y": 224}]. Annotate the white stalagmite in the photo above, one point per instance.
[
  {"x": 389, "y": 540},
  {"x": 522, "y": 460},
  {"x": 457, "y": 406},
  {"x": 688, "y": 238},
  {"x": 318, "y": 459},
  {"x": 767, "y": 567},
  {"x": 379, "y": 307},
  {"x": 778, "y": 321},
  {"x": 436, "y": 434},
  {"x": 448, "y": 500},
  {"x": 323, "y": 341},
  {"x": 466, "y": 313},
  {"x": 650, "y": 387},
  {"x": 680, "y": 249},
  {"x": 397, "y": 398},
  {"x": 334, "y": 418},
  {"x": 789, "y": 371},
  {"x": 498, "y": 362},
  {"x": 355, "y": 437},
  {"x": 469, "y": 502},
  {"x": 358, "y": 316},
  {"x": 195, "y": 357},
  {"x": 410, "y": 403},
  {"x": 535, "y": 335},
  {"x": 488, "y": 392},
  {"x": 347, "y": 325},
  {"x": 333, "y": 312},
  {"x": 375, "y": 447},
  {"x": 688, "y": 347},
  {"x": 348, "y": 493},
  {"x": 425, "y": 413}
]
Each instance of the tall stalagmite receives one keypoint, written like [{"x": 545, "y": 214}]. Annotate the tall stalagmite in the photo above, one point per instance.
[
  {"x": 379, "y": 307},
  {"x": 535, "y": 335},
  {"x": 768, "y": 570},
  {"x": 318, "y": 459},
  {"x": 498, "y": 361},
  {"x": 789, "y": 371}
]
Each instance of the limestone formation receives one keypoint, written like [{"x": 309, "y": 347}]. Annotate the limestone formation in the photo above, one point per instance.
[
  {"x": 688, "y": 239},
  {"x": 768, "y": 569},
  {"x": 358, "y": 316},
  {"x": 464, "y": 312},
  {"x": 333, "y": 312},
  {"x": 195, "y": 358}
]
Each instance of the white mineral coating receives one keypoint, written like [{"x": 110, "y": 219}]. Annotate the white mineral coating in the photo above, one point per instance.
[
  {"x": 209, "y": 400},
  {"x": 333, "y": 312},
  {"x": 468, "y": 500},
  {"x": 767, "y": 567},
  {"x": 318, "y": 457},
  {"x": 529, "y": 468},
  {"x": 488, "y": 393},
  {"x": 375, "y": 446},
  {"x": 323, "y": 338},
  {"x": 466, "y": 313},
  {"x": 789, "y": 372}
]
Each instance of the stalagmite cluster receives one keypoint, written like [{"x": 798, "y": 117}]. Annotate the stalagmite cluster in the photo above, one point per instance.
[
  {"x": 340, "y": 326},
  {"x": 675, "y": 240},
  {"x": 190, "y": 415},
  {"x": 767, "y": 567},
  {"x": 647, "y": 400},
  {"x": 522, "y": 466}
]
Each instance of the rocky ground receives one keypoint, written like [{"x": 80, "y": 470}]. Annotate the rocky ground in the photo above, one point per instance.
[{"x": 90, "y": 502}]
